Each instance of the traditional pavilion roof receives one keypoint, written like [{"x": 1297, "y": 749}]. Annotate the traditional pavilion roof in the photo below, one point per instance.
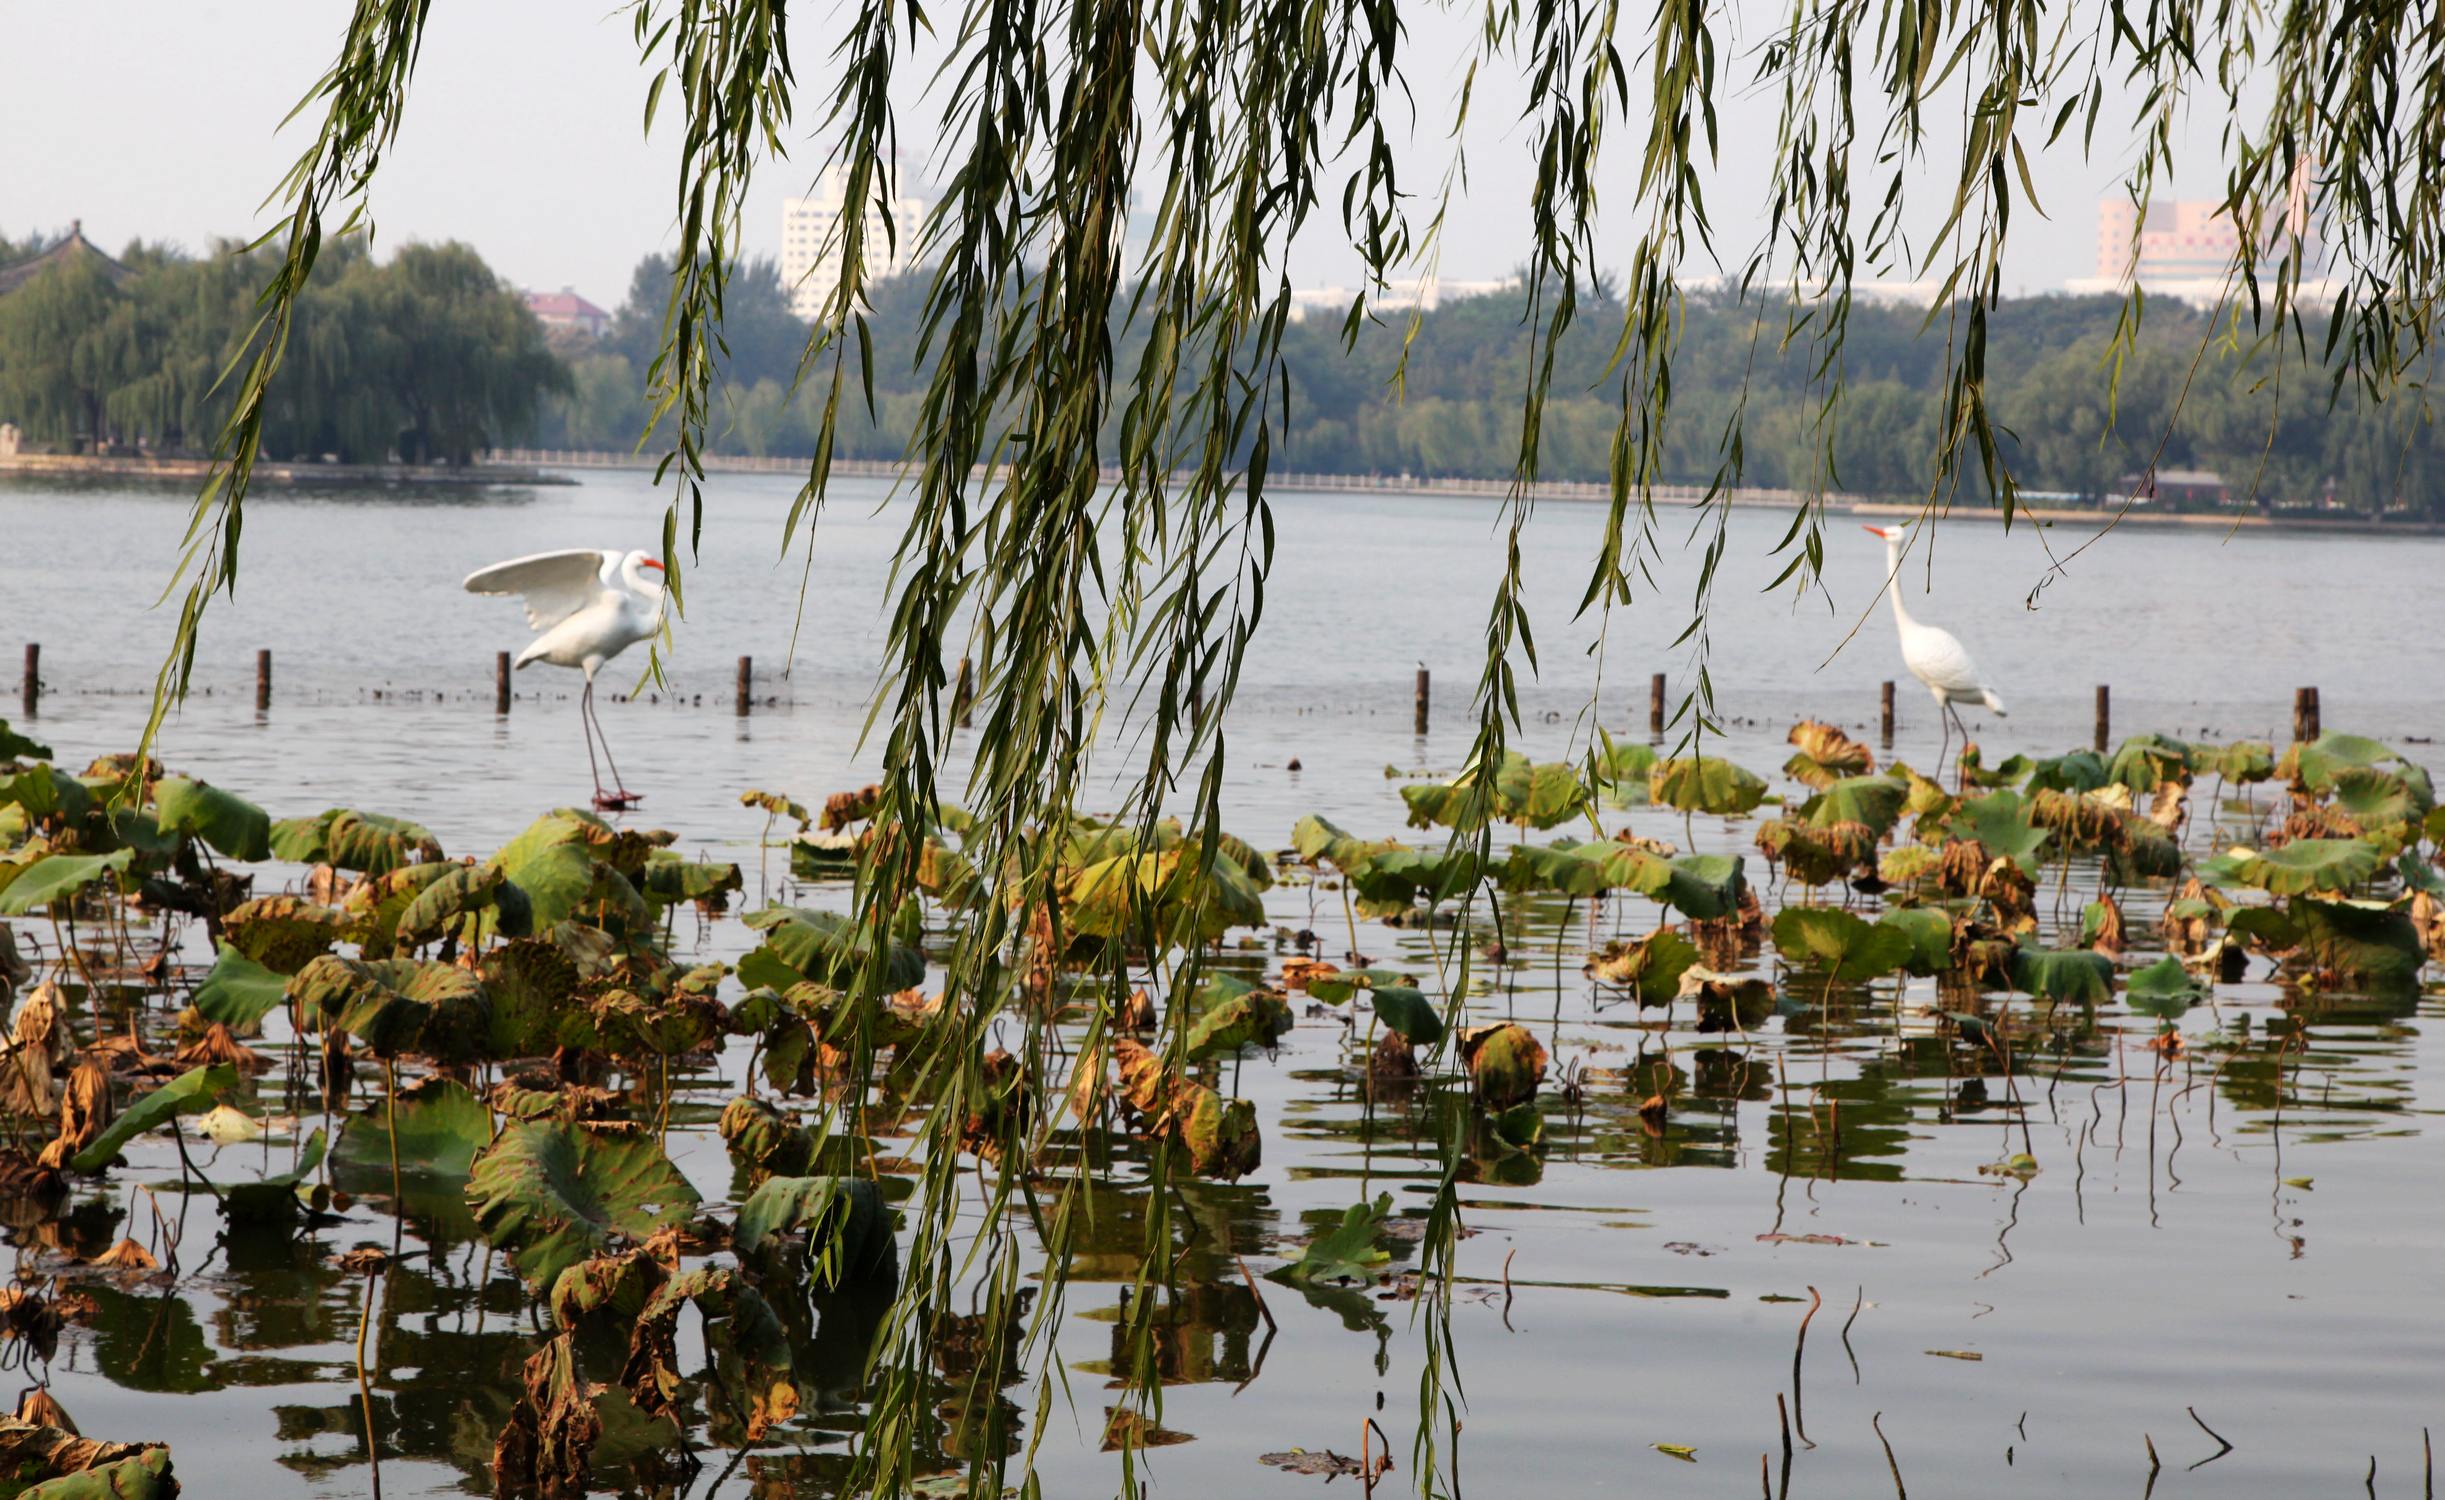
[{"x": 18, "y": 273}]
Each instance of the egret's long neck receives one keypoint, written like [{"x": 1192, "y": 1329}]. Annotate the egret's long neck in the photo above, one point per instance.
[
  {"x": 651, "y": 588},
  {"x": 1893, "y": 582}
]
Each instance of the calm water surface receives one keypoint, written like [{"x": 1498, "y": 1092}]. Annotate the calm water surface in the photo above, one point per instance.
[{"x": 2252, "y": 1231}]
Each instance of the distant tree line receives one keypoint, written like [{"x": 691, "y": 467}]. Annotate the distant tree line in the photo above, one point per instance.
[
  {"x": 428, "y": 356},
  {"x": 423, "y": 357},
  {"x": 2272, "y": 439}
]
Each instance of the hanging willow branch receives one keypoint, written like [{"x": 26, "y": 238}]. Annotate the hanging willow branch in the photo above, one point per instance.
[{"x": 1098, "y": 539}]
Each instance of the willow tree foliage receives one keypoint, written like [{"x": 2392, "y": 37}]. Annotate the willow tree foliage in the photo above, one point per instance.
[{"x": 1089, "y": 579}]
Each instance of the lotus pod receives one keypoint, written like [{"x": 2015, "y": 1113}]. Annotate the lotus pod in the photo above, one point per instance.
[
  {"x": 763, "y": 1139},
  {"x": 1506, "y": 1060}
]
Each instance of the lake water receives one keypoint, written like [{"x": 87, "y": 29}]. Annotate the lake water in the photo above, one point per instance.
[{"x": 2251, "y": 1231}]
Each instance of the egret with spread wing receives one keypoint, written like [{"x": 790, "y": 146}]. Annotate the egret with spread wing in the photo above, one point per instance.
[
  {"x": 1934, "y": 655},
  {"x": 590, "y": 606}
]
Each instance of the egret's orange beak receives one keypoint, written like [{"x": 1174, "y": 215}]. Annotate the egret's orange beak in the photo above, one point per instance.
[
  {"x": 1873, "y": 530},
  {"x": 654, "y": 563}
]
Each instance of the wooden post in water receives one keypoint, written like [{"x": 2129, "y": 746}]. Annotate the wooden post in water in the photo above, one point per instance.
[
  {"x": 963, "y": 696},
  {"x": 2304, "y": 714},
  {"x": 263, "y": 679},
  {"x": 747, "y": 684},
  {"x": 1655, "y": 704},
  {"x": 1418, "y": 725},
  {"x": 2105, "y": 716},
  {"x": 33, "y": 675},
  {"x": 500, "y": 682},
  {"x": 1884, "y": 714}
]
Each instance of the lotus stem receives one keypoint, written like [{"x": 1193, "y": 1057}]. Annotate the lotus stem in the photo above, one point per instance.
[
  {"x": 365, "y": 1394},
  {"x": 390, "y": 1127}
]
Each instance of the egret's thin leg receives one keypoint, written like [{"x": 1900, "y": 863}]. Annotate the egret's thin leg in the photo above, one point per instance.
[
  {"x": 585, "y": 721},
  {"x": 619, "y": 786},
  {"x": 1959, "y": 766},
  {"x": 1944, "y": 748}
]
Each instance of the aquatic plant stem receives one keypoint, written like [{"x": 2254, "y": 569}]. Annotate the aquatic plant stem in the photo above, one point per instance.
[
  {"x": 365, "y": 1394},
  {"x": 1878, "y": 1422},
  {"x": 390, "y": 1127}
]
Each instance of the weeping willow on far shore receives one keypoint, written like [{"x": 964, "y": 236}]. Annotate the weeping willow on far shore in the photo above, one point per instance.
[{"x": 1082, "y": 597}]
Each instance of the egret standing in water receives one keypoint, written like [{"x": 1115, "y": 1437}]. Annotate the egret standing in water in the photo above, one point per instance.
[
  {"x": 1933, "y": 654},
  {"x": 591, "y": 606}
]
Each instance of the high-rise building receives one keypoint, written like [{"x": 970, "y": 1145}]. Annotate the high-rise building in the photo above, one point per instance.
[
  {"x": 812, "y": 235},
  {"x": 2186, "y": 247}
]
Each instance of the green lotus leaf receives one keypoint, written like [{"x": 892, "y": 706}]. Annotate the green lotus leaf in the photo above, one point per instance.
[
  {"x": 1904, "y": 864},
  {"x": 1320, "y": 840},
  {"x": 2243, "y": 762},
  {"x": 144, "y": 1476},
  {"x": 1107, "y": 899},
  {"x": 1543, "y": 795},
  {"x": 234, "y": 827},
  {"x": 532, "y": 982},
  {"x": 190, "y": 1093},
  {"x": 2073, "y": 974},
  {"x": 1407, "y": 1014},
  {"x": 1704, "y": 886},
  {"x": 1506, "y": 1061},
  {"x": 632, "y": 1025},
  {"x": 552, "y": 1193},
  {"x": 2145, "y": 852},
  {"x": 53, "y": 878},
  {"x": 566, "y": 863},
  {"x": 2296, "y": 869},
  {"x": 1974, "y": 771},
  {"x": 1707, "y": 784},
  {"x": 450, "y": 901},
  {"x": 1650, "y": 968},
  {"x": 2074, "y": 773},
  {"x": 284, "y": 933},
  {"x": 1872, "y": 801},
  {"x": 2367, "y": 942},
  {"x": 2378, "y": 799},
  {"x": 2146, "y": 761},
  {"x": 764, "y": 1139},
  {"x": 824, "y": 947},
  {"x": 1621, "y": 770},
  {"x": 2163, "y": 989},
  {"x": 1333, "y": 989},
  {"x": 2316, "y": 764},
  {"x": 239, "y": 992},
  {"x": 48, "y": 796},
  {"x": 1825, "y": 755},
  {"x": 442, "y": 1127},
  {"x": 1436, "y": 874},
  {"x": 2269, "y": 927},
  {"x": 1347, "y": 1251},
  {"x": 671, "y": 879},
  {"x": 2000, "y": 821},
  {"x": 15, "y": 746},
  {"x": 280, "y": 1198},
  {"x": 398, "y": 1005},
  {"x": 1582, "y": 869},
  {"x": 1259, "y": 1018},
  {"x": 1220, "y": 1134},
  {"x": 1843, "y": 947},
  {"x": 848, "y": 1227},
  {"x": 376, "y": 903},
  {"x": 347, "y": 839},
  {"x": 1930, "y": 933}
]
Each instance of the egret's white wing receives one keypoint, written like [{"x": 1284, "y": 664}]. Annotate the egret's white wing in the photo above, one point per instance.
[
  {"x": 1938, "y": 659},
  {"x": 556, "y": 584}
]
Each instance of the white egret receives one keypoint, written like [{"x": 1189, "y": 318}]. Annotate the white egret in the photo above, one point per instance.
[
  {"x": 1934, "y": 655},
  {"x": 590, "y": 606}
]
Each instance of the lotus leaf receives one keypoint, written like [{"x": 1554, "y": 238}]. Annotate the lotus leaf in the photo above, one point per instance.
[
  {"x": 191, "y": 1092},
  {"x": 2367, "y": 942},
  {"x": 1620, "y": 770},
  {"x": 1906, "y": 864},
  {"x": 531, "y": 982},
  {"x": 2377, "y": 799},
  {"x": 1259, "y": 1018},
  {"x": 1543, "y": 795},
  {"x": 350, "y": 840},
  {"x": 1844, "y": 947},
  {"x": 15, "y": 746},
  {"x": 48, "y": 797},
  {"x": 2298, "y": 868},
  {"x": 2163, "y": 989},
  {"x": 1347, "y": 1251},
  {"x": 375, "y": 904},
  {"x": 448, "y": 902},
  {"x": 1407, "y": 1014},
  {"x": 1336, "y": 987},
  {"x": 398, "y": 1005},
  {"x": 1705, "y": 784},
  {"x": 2316, "y": 764},
  {"x": 1506, "y": 1061},
  {"x": 1874, "y": 801},
  {"x": 142, "y": 1476},
  {"x": 284, "y": 933},
  {"x": 238, "y": 992},
  {"x": 2000, "y": 822},
  {"x": 566, "y": 864},
  {"x": 2073, "y": 974},
  {"x": 442, "y": 1127},
  {"x": 279, "y": 1198},
  {"x": 231, "y": 825},
  {"x": 739, "y": 1323},
  {"x": 2243, "y": 762},
  {"x": 2146, "y": 761},
  {"x": 1705, "y": 886},
  {"x": 553, "y": 1193},
  {"x": 2267, "y": 926},
  {"x": 1319, "y": 839},
  {"x": 1930, "y": 933},
  {"x": 2144, "y": 851},
  {"x": 1106, "y": 899},
  {"x": 1437, "y": 875},
  {"x": 823, "y": 947},
  {"x": 1582, "y": 869},
  {"x": 2074, "y": 773},
  {"x": 763, "y": 1139},
  {"x": 53, "y": 878},
  {"x": 1825, "y": 755},
  {"x": 848, "y": 1228},
  {"x": 1219, "y": 1135},
  {"x": 1650, "y": 968}
]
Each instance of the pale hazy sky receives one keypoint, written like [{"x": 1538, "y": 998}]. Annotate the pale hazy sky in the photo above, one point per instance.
[{"x": 157, "y": 119}]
